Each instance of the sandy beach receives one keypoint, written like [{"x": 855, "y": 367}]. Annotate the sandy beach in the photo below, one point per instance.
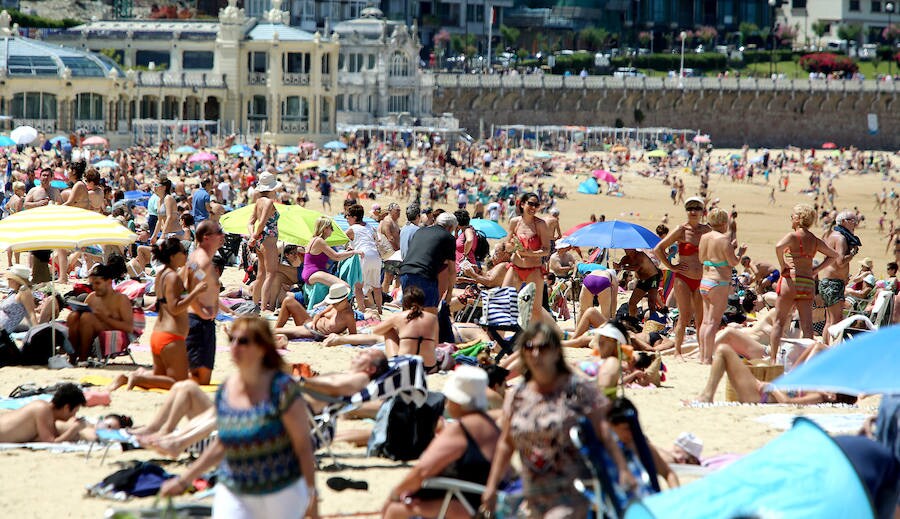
[{"x": 43, "y": 484}]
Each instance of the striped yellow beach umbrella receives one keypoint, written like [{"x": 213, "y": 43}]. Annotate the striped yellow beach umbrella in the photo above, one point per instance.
[{"x": 61, "y": 227}]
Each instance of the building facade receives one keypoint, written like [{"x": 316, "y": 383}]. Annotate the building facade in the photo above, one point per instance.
[
  {"x": 378, "y": 71},
  {"x": 872, "y": 16},
  {"x": 253, "y": 77}
]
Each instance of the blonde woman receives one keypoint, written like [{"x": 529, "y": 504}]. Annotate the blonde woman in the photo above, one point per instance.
[
  {"x": 315, "y": 261},
  {"x": 718, "y": 257},
  {"x": 797, "y": 287},
  {"x": 263, "y": 227}
]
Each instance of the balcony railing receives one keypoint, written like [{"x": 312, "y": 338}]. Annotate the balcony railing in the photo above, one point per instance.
[
  {"x": 91, "y": 126},
  {"x": 257, "y": 78},
  {"x": 289, "y": 126},
  {"x": 182, "y": 79},
  {"x": 41, "y": 125},
  {"x": 296, "y": 79},
  {"x": 257, "y": 125}
]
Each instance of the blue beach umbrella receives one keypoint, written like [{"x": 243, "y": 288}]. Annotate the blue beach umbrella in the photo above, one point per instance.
[
  {"x": 59, "y": 139},
  {"x": 289, "y": 150},
  {"x": 106, "y": 164},
  {"x": 6, "y": 141},
  {"x": 185, "y": 150},
  {"x": 614, "y": 234},
  {"x": 490, "y": 228},
  {"x": 237, "y": 149},
  {"x": 589, "y": 187},
  {"x": 335, "y": 145},
  {"x": 868, "y": 363},
  {"x": 58, "y": 184}
]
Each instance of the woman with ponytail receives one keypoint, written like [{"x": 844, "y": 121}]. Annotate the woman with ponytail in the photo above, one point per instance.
[{"x": 412, "y": 331}]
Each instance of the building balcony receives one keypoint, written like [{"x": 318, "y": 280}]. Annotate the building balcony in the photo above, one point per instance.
[
  {"x": 296, "y": 79},
  {"x": 257, "y": 78},
  {"x": 91, "y": 126},
  {"x": 326, "y": 80},
  {"x": 41, "y": 125},
  {"x": 294, "y": 126},
  {"x": 179, "y": 79},
  {"x": 257, "y": 125}
]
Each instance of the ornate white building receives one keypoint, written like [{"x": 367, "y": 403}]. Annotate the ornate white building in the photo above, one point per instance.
[{"x": 378, "y": 71}]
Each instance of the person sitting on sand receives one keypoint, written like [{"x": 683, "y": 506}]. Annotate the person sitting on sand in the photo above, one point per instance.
[
  {"x": 748, "y": 388},
  {"x": 412, "y": 331},
  {"x": 109, "y": 310},
  {"x": 36, "y": 421},
  {"x": 337, "y": 318},
  {"x": 170, "y": 360}
]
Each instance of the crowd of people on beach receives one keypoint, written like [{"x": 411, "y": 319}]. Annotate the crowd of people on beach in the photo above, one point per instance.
[{"x": 408, "y": 278}]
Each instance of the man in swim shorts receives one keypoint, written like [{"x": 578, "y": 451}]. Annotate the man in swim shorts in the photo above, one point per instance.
[
  {"x": 201, "y": 339},
  {"x": 648, "y": 277},
  {"x": 833, "y": 278}
]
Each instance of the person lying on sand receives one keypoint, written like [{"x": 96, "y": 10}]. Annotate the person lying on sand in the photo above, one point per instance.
[
  {"x": 338, "y": 317},
  {"x": 36, "y": 421}
]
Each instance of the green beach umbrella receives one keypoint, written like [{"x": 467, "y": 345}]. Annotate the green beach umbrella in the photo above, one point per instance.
[
  {"x": 658, "y": 153},
  {"x": 295, "y": 224}
]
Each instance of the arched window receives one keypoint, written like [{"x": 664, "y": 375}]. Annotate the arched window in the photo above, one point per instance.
[
  {"x": 399, "y": 65},
  {"x": 34, "y": 105},
  {"x": 89, "y": 106}
]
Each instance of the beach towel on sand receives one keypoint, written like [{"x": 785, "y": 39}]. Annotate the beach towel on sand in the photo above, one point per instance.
[
  {"x": 349, "y": 270},
  {"x": 100, "y": 380}
]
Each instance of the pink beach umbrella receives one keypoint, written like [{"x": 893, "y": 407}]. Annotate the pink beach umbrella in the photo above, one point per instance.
[
  {"x": 701, "y": 139},
  {"x": 203, "y": 156},
  {"x": 94, "y": 140},
  {"x": 604, "y": 176}
]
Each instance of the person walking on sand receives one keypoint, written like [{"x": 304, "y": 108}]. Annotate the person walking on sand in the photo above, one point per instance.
[
  {"x": 833, "y": 277},
  {"x": 201, "y": 337}
]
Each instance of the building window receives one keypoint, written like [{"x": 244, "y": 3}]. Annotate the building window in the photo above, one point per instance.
[
  {"x": 326, "y": 115},
  {"x": 354, "y": 8},
  {"x": 399, "y": 65},
  {"x": 801, "y": 4},
  {"x": 398, "y": 104},
  {"x": 876, "y": 6},
  {"x": 296, "y": 63},
  {"x": 256, "y": 108},
  {"x": 34, "y": 105},
  {"x": 326, "y": 64},
  {"x": 475, "y": 13},
  {"x": 339, "y": 102},
  {"x": 160, "y": 59},
  {"x": 295, "y": 108},
  {"x": 256, "y": 62},
  {"x": 197, "y": 60},
  {"x": 854, "y": 6},
  {"x": 351, "y": 62},
  {"x": 371, "y": 62},
  {"x": 89, "y": 106}
]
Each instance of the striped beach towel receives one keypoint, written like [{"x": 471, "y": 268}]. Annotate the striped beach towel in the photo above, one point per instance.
[
  {"x": 668, "y": 282},
  {"x": 500, "y": 307}
]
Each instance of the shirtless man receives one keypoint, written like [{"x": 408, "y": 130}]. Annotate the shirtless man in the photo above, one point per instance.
[
  {"x": 833, "y": 278},
  {"x": 764, "y": 275},
  {"x": 201, "y": 339},
  {"x": 109, "y": 310},
  {"x": 390, "y": 228},
  {"x": 337, "y": 318},
  {"x": 42, "y": 194},
  {"x": 365, "y": 367},
  {"x": 562, "y": 262},
  {"x": 647, "y": 275},
  {"x": 553, "y": 226},
  {"x": 36, "y": 422}
]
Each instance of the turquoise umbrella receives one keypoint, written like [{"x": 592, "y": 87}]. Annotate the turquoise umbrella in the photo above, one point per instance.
[
  {"x": 185, "y": 150},
  {"x": 490, "y": 228},
  {"x": 237, "y": 149},
  {"x": 335, "y": 145},
  {"x": 6, "y": 141},
  {"x": 106, "y": 164}
]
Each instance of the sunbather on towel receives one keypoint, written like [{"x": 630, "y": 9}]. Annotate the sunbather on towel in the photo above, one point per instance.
[
  {"x": 36, "y": 422},
  {"x": 336, "y": 318}
]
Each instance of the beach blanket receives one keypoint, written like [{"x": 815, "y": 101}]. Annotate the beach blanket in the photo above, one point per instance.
[
  {"x": 849, "y": 423},
  {"x": 100, "y": 380},
  {"x": 46, "y": 446},
  {"x": 11, "y": 404}
]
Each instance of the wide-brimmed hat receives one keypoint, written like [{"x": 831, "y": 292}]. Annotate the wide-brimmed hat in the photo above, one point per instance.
[
  {"x": 267, "y": 182},
  {"x": 694, "y": 200},
  {"x": 337, "y": 293},
  {"x": 867, "y": 262},
  {"x": 690, "y": 444},
  {"x": 467, "y": 386},
  {"x": 20, "y": 273}
]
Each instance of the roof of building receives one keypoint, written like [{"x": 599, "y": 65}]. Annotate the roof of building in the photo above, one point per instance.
[
  {"x": 370, "y": 24},
  {"x": 26, "y": 57},
  {"x": 167, "y": 26},
  {"x": 266, "y": 31}
]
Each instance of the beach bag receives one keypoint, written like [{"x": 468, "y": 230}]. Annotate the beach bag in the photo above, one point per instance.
[
  {"x": 500, "y": 307},
  {"x": 402, "y": 430},
  {"x": 142, "y": 479},
  {"x": 9, "y": 352},
  {"x": 38, "y": 346},
  {"x": 482, "y": 247}
]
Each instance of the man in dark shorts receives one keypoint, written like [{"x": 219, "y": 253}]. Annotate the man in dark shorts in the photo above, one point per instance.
[
  {"x": 201, "y": 338},
  {"x": 430, "y": 262},
  {"x": 648, "y": 277}
]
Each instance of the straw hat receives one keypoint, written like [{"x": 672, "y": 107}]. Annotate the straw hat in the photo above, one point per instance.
[
  {"x": 690, "y": 444},
  {"x": 20, "y": 273},
  {"x": 267, "y": 182},
  {"x": 866, "y": 262},
  {"x": 337, "y": 293},
  {"x": 467, "y": 386}
]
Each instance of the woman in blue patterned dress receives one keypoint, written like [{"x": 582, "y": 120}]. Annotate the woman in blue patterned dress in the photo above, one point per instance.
[{"x": 267, "y": 465}]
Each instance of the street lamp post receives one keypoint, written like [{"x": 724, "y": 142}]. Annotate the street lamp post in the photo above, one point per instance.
[
  {"x": 681, "y": 72},
  {"x": 772, "y": 50},
  {"x": 889, "y": 7}
]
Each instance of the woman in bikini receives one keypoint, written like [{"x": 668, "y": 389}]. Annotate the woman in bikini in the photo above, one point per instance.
[
  {"x": 167, "y": 223},
  {"x": 797, "y": 286},
  {"x": 718, "y": 257},
  {"x": 315, "y": 261},
  {"x": 263, "y": 227},
  {"x": 170, "y": 360},
  {"x": 530, "y": 236},
  {"x": 95, "y": 199},
  {"x": 688, "y": 270},
  {"x": 412, "y": 331}
]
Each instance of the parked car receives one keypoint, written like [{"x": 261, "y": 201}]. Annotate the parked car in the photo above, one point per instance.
[
  {"x": 867, "y": 52},
  {"x": 628, "y": 72}
]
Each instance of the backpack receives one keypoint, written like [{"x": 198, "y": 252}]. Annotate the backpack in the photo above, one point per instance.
[
  {"x": 482, "y": 247},
  {"x": 38, "y": 346},
  {"x": 402, "y": 430},
  {"x": 142, "y": 479},
  {"x": 9, "y": 351}
]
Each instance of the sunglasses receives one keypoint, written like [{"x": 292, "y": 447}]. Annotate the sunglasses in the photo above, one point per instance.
[
  {"x": 240, "y": 341},
  {"x": 540, "y": 346},
  {"x": 532, "y": 204},
  {"x": 694, "y": 209}
]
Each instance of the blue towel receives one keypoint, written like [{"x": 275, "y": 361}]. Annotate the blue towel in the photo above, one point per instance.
[
  {"x": 11, "y": 404},
  {"x": 349, "y": 270}
]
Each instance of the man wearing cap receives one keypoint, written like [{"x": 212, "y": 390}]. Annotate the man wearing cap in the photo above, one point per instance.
[
  {"x": 833, "y": 278},
  {"x": 432, "y": 256},
  {"x": 337, "y": 317},
  {"x": 200, "y": 201},
  {"x": 860, "y": 286}
]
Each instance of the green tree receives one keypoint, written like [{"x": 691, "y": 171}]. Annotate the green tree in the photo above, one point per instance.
[
  {"x": 510, "y": 35},
  {"x": 850, "y": 32},
  {"x": 820, "y": 28},
  {"x": 463, "y": 44},
  {"x": 747, "y": 29},
  {"x": 594, "y": 38}
]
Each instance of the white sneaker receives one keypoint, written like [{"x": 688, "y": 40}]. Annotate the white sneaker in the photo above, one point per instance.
[{"x": 59, "y": 362}]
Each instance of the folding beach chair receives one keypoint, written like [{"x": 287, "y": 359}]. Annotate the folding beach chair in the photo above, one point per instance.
[
  {"x": 115, "y": 343},
  {"x": 499, "y": 315},
  {"x": 404, "y": 378},
  {"x": 454, "y": 489},
  {"x": 608, "y": 499}
]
